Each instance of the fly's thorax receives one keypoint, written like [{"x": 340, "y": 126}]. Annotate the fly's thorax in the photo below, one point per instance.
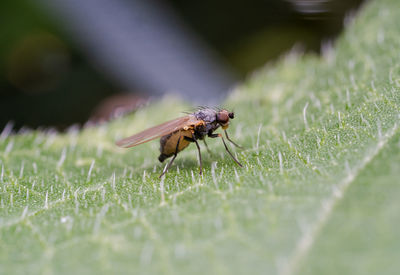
[
  {"x": 207, "y": 115},
  {"x": 202, "y": 130}
]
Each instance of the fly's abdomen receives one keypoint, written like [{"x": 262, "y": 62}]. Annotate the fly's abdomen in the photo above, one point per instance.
[{"x": 168, "y": 143}]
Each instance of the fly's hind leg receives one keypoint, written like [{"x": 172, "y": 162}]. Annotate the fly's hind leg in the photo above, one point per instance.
[
  {"x": 193, "y": 139},
  {"x": 172, "y": 160}
]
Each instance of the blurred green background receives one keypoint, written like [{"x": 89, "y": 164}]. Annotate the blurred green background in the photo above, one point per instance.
[{"x": 46, "y": 79}]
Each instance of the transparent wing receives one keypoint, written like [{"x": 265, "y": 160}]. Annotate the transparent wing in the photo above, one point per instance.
[{"x": 158, "y": 131}]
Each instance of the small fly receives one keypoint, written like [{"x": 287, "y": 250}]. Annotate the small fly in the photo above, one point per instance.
[{"x": 177, "y": 134}]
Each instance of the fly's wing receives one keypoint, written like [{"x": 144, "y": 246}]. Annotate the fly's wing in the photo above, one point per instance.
[{"x": 158, "y": 131}]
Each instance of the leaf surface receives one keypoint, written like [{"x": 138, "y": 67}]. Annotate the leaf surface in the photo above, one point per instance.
[{"x": 318, "y": 193}]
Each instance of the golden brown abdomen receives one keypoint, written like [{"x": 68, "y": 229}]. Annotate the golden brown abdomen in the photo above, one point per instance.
[{"x": 168, "y": 143}]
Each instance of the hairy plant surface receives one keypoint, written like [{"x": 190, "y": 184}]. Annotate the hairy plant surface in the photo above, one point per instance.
[{"x": 318, "y": 194}]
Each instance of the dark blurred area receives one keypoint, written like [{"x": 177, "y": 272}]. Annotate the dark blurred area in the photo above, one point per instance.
[{"x": 65, "y": 62}]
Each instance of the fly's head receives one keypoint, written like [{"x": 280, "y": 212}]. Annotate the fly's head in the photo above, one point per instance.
[{"x": 223, "y": 117}]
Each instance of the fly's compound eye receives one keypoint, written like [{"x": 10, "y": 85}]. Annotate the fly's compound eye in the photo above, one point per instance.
[
  {"x": 231, "y": 115},
  {"x": 222, "y": 117}
]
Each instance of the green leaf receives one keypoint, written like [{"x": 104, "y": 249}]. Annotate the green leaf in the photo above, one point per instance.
[{"x": 318, "y": 193}]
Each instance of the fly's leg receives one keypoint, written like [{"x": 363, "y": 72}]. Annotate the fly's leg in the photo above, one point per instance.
[
  {"x": 234, "y": 143},
  {"x": 226, "y": 147},
  {"x": 193, "y": 139},
  {"x": 172, "y": 160},
  {"x": 208, "y": 149},
  {"x": 198, "y": 149}
]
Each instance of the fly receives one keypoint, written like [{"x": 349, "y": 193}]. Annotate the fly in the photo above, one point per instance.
[{"x": 177, "y": 134}]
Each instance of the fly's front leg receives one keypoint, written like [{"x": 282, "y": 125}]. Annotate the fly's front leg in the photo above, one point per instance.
[
  {"x": 231, "y": 141},
  {"x": 172, "y": 160},
  {"x": 226, "y": 147},
  {"x": 193, "y": 139}
]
